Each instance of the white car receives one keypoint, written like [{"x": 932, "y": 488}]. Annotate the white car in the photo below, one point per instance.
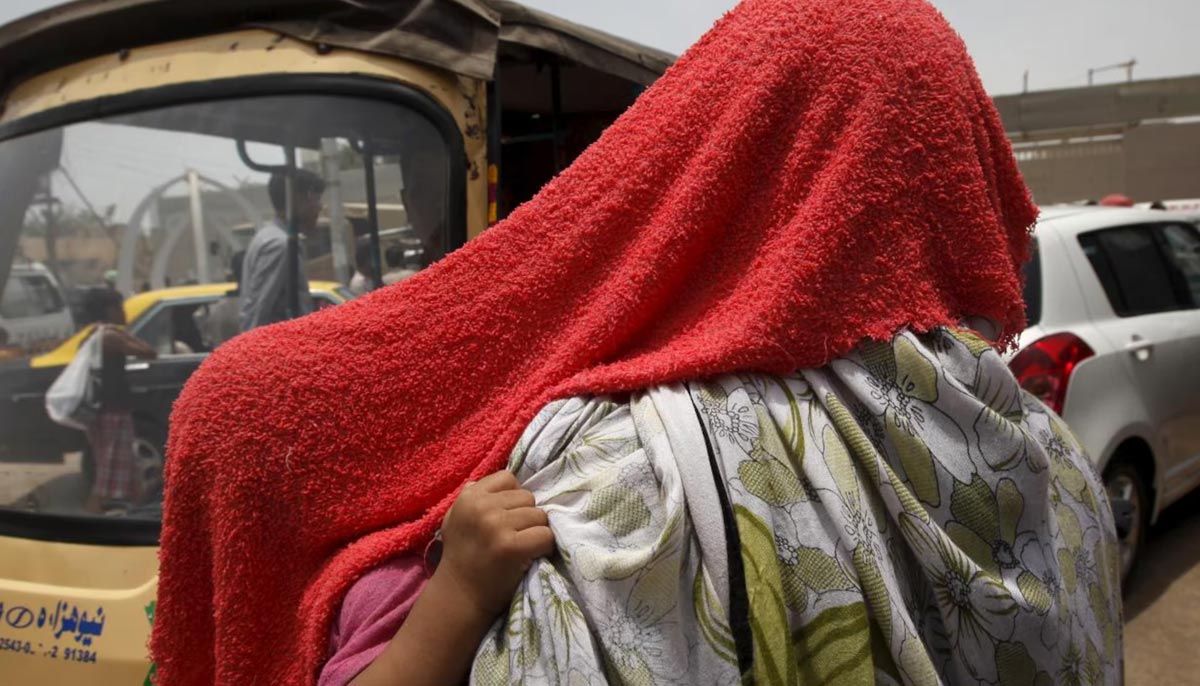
[
  {"x": 34, "y": 315},
  {"x": 1113, "y": 345},
  {"x": 1188, "y": 206}
]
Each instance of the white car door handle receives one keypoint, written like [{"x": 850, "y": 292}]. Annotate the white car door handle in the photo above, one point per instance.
[
  {"x": 137, "y": 366},
  {"x": 1140, "y": 347}
]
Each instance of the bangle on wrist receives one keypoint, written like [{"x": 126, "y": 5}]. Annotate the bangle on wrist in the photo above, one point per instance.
[{"x": 433, "y": 553}]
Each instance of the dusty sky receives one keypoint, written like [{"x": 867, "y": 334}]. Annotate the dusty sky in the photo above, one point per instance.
[{"x": 1057, "y": 40}]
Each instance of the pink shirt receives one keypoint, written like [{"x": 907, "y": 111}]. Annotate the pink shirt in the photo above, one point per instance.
[{"x": 371, "y": 614}]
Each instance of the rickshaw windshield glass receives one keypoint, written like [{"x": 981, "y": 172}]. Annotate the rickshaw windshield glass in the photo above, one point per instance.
[{"x": 170, "y": 227}]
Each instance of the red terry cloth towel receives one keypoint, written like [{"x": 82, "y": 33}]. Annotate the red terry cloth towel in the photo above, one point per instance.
[{"x": 811, "y": 173}]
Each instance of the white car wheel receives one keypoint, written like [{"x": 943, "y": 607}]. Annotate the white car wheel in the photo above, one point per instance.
[{"x": 1125, "y": 483}]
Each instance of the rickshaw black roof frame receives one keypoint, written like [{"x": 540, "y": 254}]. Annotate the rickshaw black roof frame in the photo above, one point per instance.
[{"x": 465, "y": 37}]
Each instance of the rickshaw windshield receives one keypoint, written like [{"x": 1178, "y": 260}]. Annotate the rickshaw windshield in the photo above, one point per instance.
[{"x": 182, "y": 215}]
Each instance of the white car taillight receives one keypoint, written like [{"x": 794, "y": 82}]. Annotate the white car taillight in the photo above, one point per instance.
[{"x": 1045, "y": 366}]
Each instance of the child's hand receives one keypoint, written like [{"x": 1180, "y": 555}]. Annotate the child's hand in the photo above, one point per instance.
[{"x": 490, "y": 537}]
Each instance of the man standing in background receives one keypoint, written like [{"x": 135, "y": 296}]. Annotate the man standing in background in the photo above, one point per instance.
[{"x": 264, "y": 293}]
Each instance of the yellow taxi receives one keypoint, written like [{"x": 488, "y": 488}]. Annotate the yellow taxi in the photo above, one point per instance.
[{"x": 64, "y": 578}]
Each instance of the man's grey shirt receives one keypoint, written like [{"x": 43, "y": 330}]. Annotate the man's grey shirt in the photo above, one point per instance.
[{"x": 264, "y": 297}]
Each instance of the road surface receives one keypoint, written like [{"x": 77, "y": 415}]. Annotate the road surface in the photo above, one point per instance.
[{"x": 1162, "y": 609}]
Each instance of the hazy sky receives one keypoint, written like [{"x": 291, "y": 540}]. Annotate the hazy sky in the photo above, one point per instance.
[{"x": 1057, "y": 40}]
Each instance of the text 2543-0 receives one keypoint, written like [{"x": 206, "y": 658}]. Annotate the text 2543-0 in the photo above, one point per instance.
[{"x": 15, "y": 646}]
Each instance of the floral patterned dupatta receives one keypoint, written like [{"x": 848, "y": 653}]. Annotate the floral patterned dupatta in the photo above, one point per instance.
[{"x": 904, "y": 515}]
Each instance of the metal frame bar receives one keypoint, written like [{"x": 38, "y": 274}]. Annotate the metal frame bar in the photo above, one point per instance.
[
  {"x": 557, "y": 116},
  {"x": 368, "y": 155},
  {"x": 495, "y": 143}
]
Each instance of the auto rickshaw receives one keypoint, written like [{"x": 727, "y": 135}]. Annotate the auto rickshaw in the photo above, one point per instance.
[{"x": 138, "y": 139}]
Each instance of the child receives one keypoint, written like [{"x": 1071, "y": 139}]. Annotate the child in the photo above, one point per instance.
[
  {"x": 110, "y": 437},
  {"x": 399, "y": 625}
]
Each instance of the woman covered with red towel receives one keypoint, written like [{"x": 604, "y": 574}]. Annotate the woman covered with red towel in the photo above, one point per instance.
[{"x": 741, "y": 363}]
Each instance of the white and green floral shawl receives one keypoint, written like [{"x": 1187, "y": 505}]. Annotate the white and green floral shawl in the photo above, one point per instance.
[{"x": 903, "y": 515}]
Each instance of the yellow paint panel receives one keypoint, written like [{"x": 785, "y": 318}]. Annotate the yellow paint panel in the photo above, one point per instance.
[
  {"x": 223, "y": 56},
  {"x": 31, "y": 566},
  {"x": 75, "y": 613}
]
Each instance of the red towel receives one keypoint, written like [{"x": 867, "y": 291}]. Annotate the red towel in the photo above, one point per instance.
[{"x": 811, "y": 173}]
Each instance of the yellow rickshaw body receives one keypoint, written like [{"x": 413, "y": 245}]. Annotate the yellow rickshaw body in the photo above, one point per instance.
[
  {"x": 81, "y": 614},
  {"x": 77, "y": 600}
]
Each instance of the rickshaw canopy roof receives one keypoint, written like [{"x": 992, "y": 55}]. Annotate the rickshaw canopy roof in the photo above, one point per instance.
[{"x": 466, "y": 37}]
